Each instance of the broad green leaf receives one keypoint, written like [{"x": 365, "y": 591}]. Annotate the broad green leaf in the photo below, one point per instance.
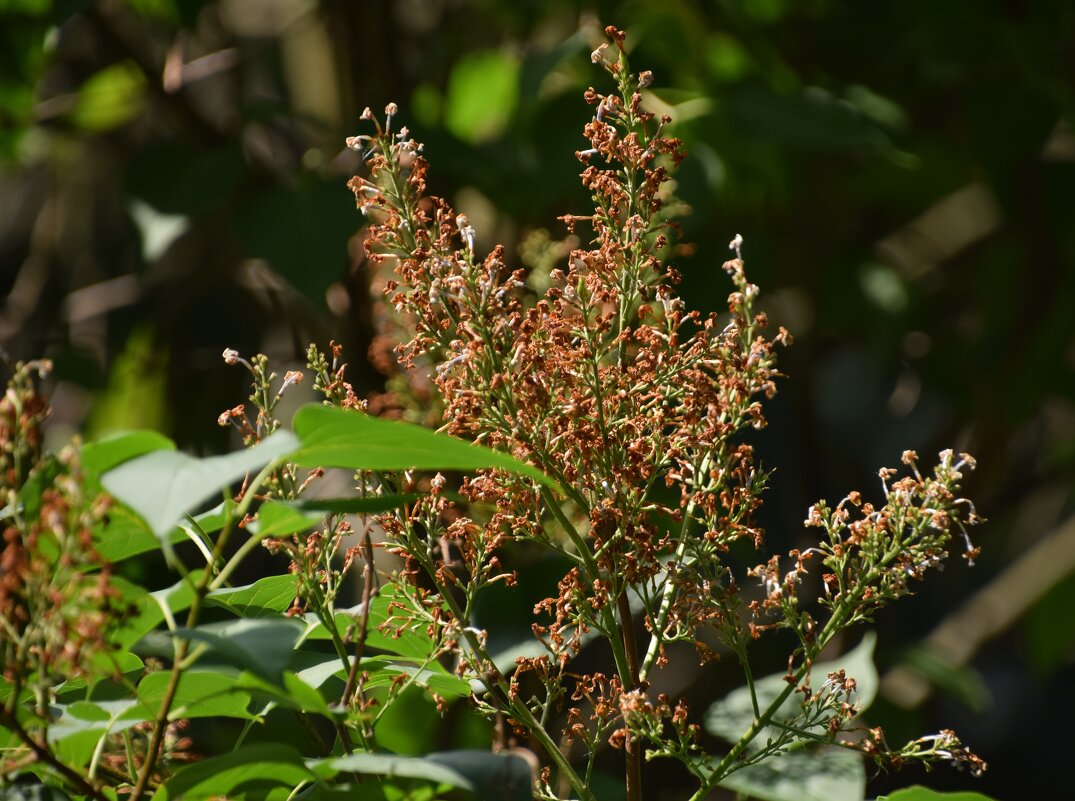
[
  {"x": 439, "y": 681},
  {"x": 732, "y": 716},
  {"x": 77, "y": 750},
  {"x": 333, "y": 437},
  {"x": 267, "y": 597},
  {"x": 152, "y": 608},
  {"x": 387, "y": 633},
  {"x": 918, "y": 793},
  {"x": 123, "y": 663},
  {"x": 100, "y": 717},
  {"x": 164, "y": 485},
  {"x": 319, "y": 668},
  {"x": 199, "y": 694},
  {"x": 263, "y": 647},
  {"x": 111, "y": 451},
  {"x": 356, "y": 506},
  {"x": 828, "y": 774},
  {"x": 124, "y": 534},
  {"x": 487, "y": 775},
  {"x": 296, "y": 693},
  {"x": 250, "y": 772},
  {"x": 280, "y": 519},
  {"x": 382, "y": 671}
]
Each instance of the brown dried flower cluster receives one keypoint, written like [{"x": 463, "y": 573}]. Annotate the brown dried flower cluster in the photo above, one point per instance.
[{"x": 635, "y": 406}]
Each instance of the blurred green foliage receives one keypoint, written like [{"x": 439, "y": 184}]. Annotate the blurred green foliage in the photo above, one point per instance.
[{"x": 903, "y": 174}]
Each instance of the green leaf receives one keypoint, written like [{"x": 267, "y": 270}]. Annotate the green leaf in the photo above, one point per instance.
[
  {"x": 356, "y": 506},
  {"x": 918, "y": 793},
  {"x": 412, "y": 643},
  {"x": 267, "y": 597},
  {"x": 199, "y": 694},
  {"x": 110, "y": 97},
  {"x": 333, "y": 437},
  {"x": 148, "y": 611},
  {"x": 732, "y": 716},
  {"x": 100, "y": 717},
  {"x": 164, "y": 485},
  {"x": 489, "y": 776},
  {"x": 438, "y": 680},
  {"x": 296, "y": 693},
  {"x": 483, "y": 89},
  {"x": 110, "y": 663},
  {"x": 249, "y": 772},
  {"x": 263, "y": 647},
  {"x": 280, "y": 519},
  {"x": 124, "y": 534},
  {"x": 112, "y": 451},
  {"x": 828, "y": 774}
]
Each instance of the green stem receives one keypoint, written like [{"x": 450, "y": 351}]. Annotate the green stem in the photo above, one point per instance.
[
  {"x": 498, "y": 688},
  {"x": 835, "y": 623},
  {"x": 668, "y": 592},
  {"x": 593, "y": 573},
  {"x": 156, "y": 739}
]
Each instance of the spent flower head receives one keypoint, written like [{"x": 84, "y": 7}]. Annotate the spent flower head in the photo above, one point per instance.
[{"x": 638, "y": 409}]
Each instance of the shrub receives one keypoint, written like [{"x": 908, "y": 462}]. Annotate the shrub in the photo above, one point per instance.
[{"x": 613, "y": 441}]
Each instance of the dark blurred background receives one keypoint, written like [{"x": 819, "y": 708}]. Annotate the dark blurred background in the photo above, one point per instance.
[{"x": 173, "y": 183}]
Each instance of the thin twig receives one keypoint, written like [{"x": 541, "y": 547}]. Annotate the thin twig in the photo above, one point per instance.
[{"x": 44, "y": 753}]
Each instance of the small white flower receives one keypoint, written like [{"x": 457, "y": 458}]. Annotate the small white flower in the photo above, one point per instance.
[
  {"x": 466, "y": 230},
  {"x": 737, "y": 245}
]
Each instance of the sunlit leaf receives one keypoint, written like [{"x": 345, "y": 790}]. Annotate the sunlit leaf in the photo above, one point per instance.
[
  {"x": 487, "y": 775},
  {"x": 293, "y": 694},
  {"x": 918, "y": 793},
  {"x": 164, "y": 485},
  {"x": 111, "y": 451},
  {"x": 100, "y": 717},
  {"x": 374, "y": 504},
  {"x": 124, "y": 534},
  {"x": 266, "y": 597},
  {"x": 147, "y": 613},
  {"x": 200, "y": 694},
  {"x": 394, "y": 639},
  {"x": 279, "y": 519},
  {"x": 248, "y": 772},
  {"x": 333, "y": 437}
]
